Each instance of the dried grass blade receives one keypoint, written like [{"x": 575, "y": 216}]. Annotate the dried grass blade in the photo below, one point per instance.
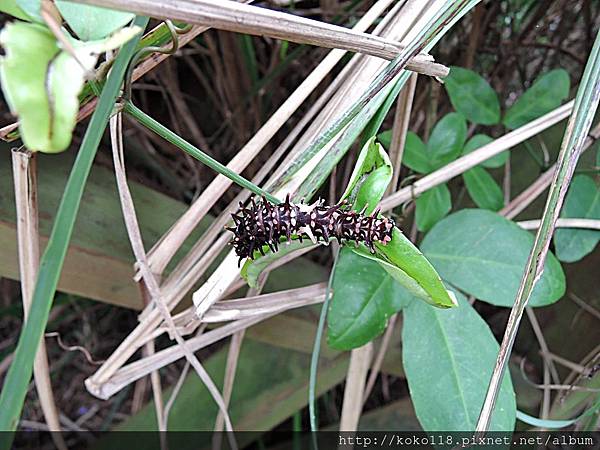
[
  {"x": 25, "y": 179},
  {"x": 241, "y": 18}
]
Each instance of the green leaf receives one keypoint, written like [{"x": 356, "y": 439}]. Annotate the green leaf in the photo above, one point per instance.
[
  {"x": 42, "y": 83},
  {"x": 472, "y": 96},
  {"x": 484, "y": 255},
  {"x": 415, "y": 154},
  {"x": 17, "y": 379},
  {"x": 401, "y": 259},
  {"x": 369, "y": 180},
  {"x": 447, "y": 140},
  {"x": 448, "y": 357},
  {"x": 582, "y": 201},
  {"x": 364, "y": 297},
  {"x": 11, "y": 7},
  {"x": 483, "y": 189},
  {"x": 432, "y": 206},
  {"x": 547, "y": 93},
  {"x": 253, "y": 268},
  {"x": 92, "y": 22},
  {"x": 478, "y": 141},
  {"x": 32, "y": 8}
]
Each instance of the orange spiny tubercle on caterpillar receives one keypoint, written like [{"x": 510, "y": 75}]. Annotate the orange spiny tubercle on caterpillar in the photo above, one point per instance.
[{"x": 264, "y": 223}]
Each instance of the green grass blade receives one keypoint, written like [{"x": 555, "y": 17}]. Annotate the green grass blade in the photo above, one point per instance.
[
  {"x": 19, "y": 374},
  {"x": 184, "y": 145}
]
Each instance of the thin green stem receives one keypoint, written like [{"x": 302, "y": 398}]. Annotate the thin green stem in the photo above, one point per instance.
[
  {"x": 19, "y": 374},
  {"x": 193, "y": 151}
]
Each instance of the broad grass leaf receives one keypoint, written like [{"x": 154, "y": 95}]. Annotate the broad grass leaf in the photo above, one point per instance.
[
  {"x": 478, "y": 141},
  {"x": 364, "y": 298},
  {"x": 472, "y": 96},
  {"x": 546, "y": 93},
  {"x": 582, "y": 201},
  {"x": 484, "y": 255},
  {"x": 432, "y": 206},
  {"x": 448, "y": 357},
  {"x": 483, "y": 189}
]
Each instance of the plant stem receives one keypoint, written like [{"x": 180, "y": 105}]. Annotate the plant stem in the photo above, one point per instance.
[{"x": 191, "y": 150}]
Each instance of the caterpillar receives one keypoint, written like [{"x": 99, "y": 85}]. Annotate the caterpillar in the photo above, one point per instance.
[{"x": 264, "y": 223}]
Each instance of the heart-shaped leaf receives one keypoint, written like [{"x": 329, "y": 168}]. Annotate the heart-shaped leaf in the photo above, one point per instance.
[
  {"x": 432, "y": 206},
  {"x": 483, "y": 189},
  {"x": 472, "y": 96},
  {"x": 450, "y": 354},
  {"x": 478, "y": 141},
  {"x": 546, "y": 93},
  {"x": 364, "y": 298},
  {"x": 484, "y": 254},
  {"x": 582, "y": 201}
]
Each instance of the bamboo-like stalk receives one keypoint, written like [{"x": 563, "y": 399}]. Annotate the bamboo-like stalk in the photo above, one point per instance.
[
  {"x": 360, "y": 361},
  {"x": 586, "y": 103},
  {"x": 400, "y": 128},
  {"x": 26, "y": 201},
  {"x": 242, "y": 18},
  {"x": 589, "y": 224}
]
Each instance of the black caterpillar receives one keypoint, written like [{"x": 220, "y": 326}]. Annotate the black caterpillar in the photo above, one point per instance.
[{"x": 264, "y": 223}]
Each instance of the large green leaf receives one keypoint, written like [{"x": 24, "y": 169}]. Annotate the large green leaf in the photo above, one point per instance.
[
  {"x": 472, "y": 96},
  {"x": 483, "y": 189},
  {"x": 544, "y": 95},
  {"x": 478, "y": 141},
  {"x": 41, "y": 83},
  {"x": 447, "y": 140},
  {"x": 369, "y": 180},
  {"x": 583, "y": 201},
  {"x": 92, "y": 22},
  {"x": 432, "y": 206},
  {"x": 448, "y": 357},
  {"x": 485, "y": 254},
  {"x": 364, "y": 297}
]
